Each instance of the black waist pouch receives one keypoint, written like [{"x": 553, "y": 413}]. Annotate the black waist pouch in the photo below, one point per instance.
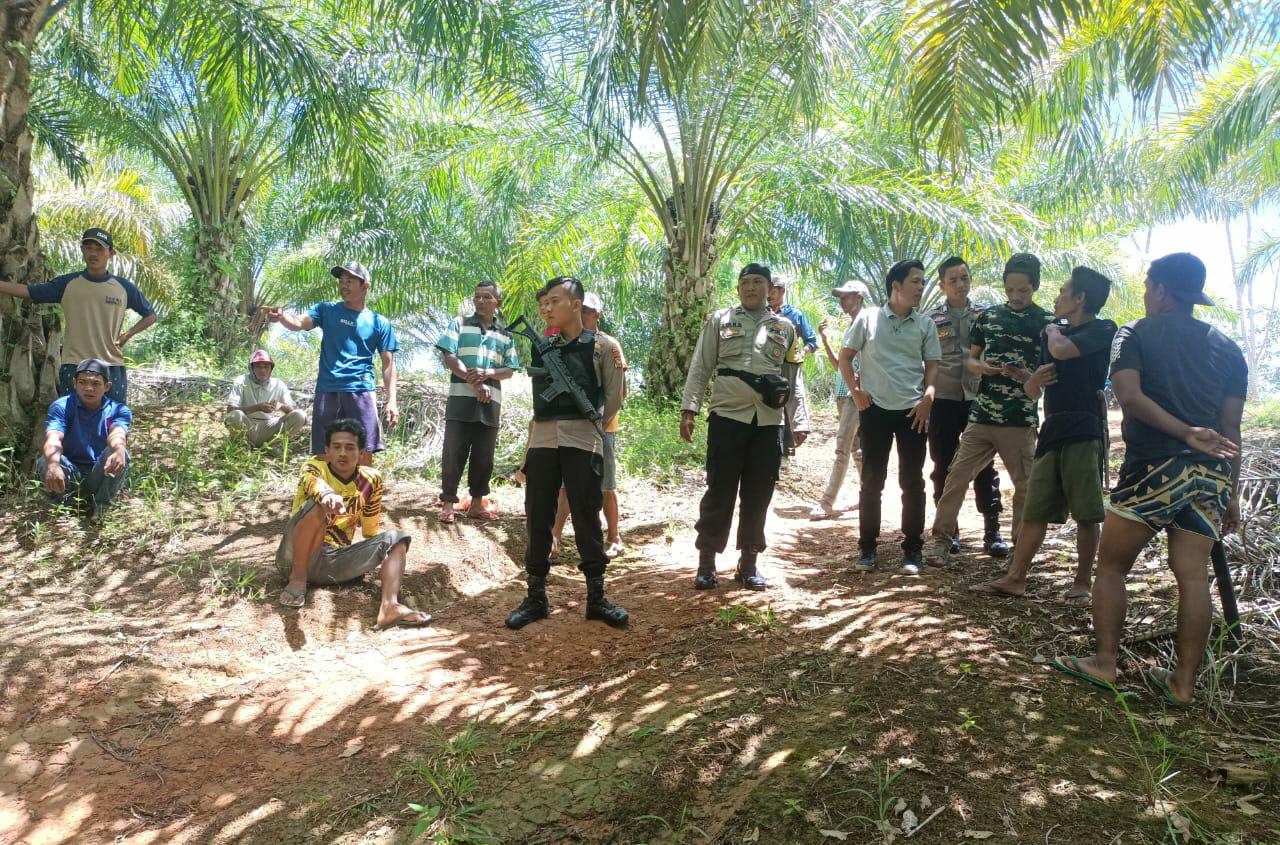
[{"x": 774, "y": 390}]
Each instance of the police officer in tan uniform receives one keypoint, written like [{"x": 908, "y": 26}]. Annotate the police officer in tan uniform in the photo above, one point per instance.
[{"x": 745, "y": 349}]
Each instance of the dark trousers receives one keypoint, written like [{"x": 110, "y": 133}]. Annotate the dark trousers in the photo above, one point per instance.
[
  {"x": 580, "y": 472},
  {"x": 879, "y": 429},
  {"x": 743, "y": 461},
  {"x": 947, "y": 422},
  {"x": 471, "y": 445}
]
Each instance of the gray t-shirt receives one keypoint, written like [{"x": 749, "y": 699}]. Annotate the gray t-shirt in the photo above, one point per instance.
[{"x": 892, "y": 353}]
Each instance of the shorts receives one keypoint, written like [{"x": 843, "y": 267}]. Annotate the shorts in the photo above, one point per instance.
[
  {"x": 1179, "y": 492},
  {"x": 337, "y": 406},
  {"x": 1066, "y": 480},
  {"x": 336, "y": 564},
  {"x": 609, "y": 479}
]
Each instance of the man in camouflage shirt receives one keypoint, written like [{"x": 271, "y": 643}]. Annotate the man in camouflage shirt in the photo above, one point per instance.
[{"x": 1005, "y": 344}]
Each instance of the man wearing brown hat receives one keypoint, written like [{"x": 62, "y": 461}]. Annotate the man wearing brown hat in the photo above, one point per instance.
[
  {"x": 94, "y": 302},
  {"x": 1004, "y": 346},
  {"x": 353, "y": 335}
]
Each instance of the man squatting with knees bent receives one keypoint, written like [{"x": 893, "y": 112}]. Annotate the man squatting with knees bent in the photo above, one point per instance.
[
  {"x": 260, "y": 404},
  {"x": 352, "y": 335},
  {"x": 1066, "y": 476},
  {"x": 1003, "y": 420},
  {"x": 592, "y": 307},
  {"x": 893, "y": 387},
  {"x": 479, "y": 354},
  {"x": 94, "y": 304},
  {"x": 852, "y": 295},
  {"x": 85, "y": 455},
  {"x": 565, "y": 448},
  {"x": 957, "y": 388},
  {"x": 745, "y": 348},
  {"x": 336, "y": 494},
  {"x": 1182, "y": 385}
]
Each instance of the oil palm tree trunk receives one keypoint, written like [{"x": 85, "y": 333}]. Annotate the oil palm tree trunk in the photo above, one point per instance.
[{"x": 28, "y": 381}]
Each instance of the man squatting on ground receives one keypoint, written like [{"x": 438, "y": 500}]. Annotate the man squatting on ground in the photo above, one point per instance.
[
  {"x": 566, "y": 448},
  {"x": 352, "y": 335},
  {"x": 260, "y": 405},
  {"x": 741, "y": 346},
  {"x": 957, "y": 388},
  {"x": 479, "y": 355},
  {"x": 85, "y": 455},
  {"x": 1066, "y": 477},
  {"x": 592, "y": 307},
  {"x": 1003, "y": 420},
  {"x": 1182, "y": 386},
  {"x": 336, "y": 494},
  {"x": 852, "y": 295},
  {"x": 94, "y": 303},
  {"x": 893, "y": 387}
]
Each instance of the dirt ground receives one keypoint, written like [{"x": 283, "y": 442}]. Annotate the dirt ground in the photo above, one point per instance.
[{"x": 153, "y": 691}]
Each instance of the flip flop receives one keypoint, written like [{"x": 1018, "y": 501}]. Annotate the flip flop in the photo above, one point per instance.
[
  {"x": 485, "y": 513},
  {"x": 1071, "y": 667},
  {"x": 448, "y": 517},
  {"x": 1074, "y": 601},
  {"x": 990, "y": 589},
  {"x": 420, "y": 620},
  {"x": 1160, "y": 677},
  {"x": 299, "y": 598}
]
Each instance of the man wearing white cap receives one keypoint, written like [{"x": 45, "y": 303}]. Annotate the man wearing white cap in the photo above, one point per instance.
[
  {"x": 852, "y": 295},
  {"x": 353, "y": 334},
  {"x": 260, "y": 404}
]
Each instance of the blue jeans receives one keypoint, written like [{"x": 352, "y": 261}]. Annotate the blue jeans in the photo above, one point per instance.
[
  {"x": 87, "y": 481},
  {"x": 118, "y": 376}
]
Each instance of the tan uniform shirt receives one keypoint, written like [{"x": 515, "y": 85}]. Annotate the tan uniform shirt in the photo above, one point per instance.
[
  {"x": 582, "y": 434},
  {"x": 754, "y": 341}
]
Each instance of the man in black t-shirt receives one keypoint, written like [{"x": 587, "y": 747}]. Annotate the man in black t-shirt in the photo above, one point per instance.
[
  {"x": 1066, "y": 476},
  {"x": 1182, "y": 385}
]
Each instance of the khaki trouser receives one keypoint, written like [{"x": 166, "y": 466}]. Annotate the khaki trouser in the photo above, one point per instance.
[
  {"x": 1016, "y": 446},
  {"x": 260, "y": 432},
  {"x": 846, "y": 447}
]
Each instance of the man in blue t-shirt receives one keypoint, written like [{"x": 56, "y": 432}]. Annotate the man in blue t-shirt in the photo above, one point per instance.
[
  {"x": 353, "y": 334},
  {"x": 84, "y": 453}
]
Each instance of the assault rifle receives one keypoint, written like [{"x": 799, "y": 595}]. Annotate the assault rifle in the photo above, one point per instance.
[{"x": 554, "y": 369}]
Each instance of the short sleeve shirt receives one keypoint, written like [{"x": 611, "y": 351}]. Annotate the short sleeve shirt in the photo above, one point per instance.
[
  {"x": 892, "y": 352},
  {"x": 361, "y": 499},
  {"x": 1007, "y": 337},
  {"x": 351, "y": 341},
  {"x": 84, "y": 432},
  {"x": 1072, "y": 408},
  {"x": 479, "y": 347},
  {"x": 247, "y": 390},
  {"x": 1188, "y": 368},
  {"x": 95, "y": 311}
]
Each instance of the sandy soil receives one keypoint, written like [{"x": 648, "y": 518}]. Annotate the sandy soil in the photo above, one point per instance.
[{"x": 149, "y": 697}]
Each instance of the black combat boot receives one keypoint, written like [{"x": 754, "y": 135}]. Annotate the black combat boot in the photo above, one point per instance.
[
  {"x": 747, "y": 575},
  {"x": 534, "y": 606},
  {"x": 992, "y": 544},
  {"x": 706, "y": 579},
  {"x": 599, "y": 607}
]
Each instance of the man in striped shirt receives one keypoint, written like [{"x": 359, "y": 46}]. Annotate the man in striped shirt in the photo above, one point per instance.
[{"x": 479, "y": 356}]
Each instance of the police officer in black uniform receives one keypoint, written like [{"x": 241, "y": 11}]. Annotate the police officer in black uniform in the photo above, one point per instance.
[
  {"x": 740, "y": 346},
  {"x": 565, "y": 447}
]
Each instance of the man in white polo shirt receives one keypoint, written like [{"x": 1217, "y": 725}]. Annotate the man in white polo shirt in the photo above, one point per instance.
[{"x": 893, "y": 387}]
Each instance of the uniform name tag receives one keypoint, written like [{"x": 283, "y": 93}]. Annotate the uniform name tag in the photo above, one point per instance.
[{"x": 727, "y": 332}]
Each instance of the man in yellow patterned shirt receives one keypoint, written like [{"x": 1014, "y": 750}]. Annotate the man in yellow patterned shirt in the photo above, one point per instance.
[{"x": 335, "y": 497}]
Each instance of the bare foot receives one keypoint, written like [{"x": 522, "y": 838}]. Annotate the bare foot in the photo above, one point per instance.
[
  {"x": 555, "y": 551},
  {"x": 1001, "y": 587},
  {"x": 399, "y": 615}
]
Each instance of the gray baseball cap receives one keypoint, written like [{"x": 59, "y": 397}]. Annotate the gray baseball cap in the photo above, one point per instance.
[
  {"x": 355, "y": 268},
  {"x": 852, "y": 286}
]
